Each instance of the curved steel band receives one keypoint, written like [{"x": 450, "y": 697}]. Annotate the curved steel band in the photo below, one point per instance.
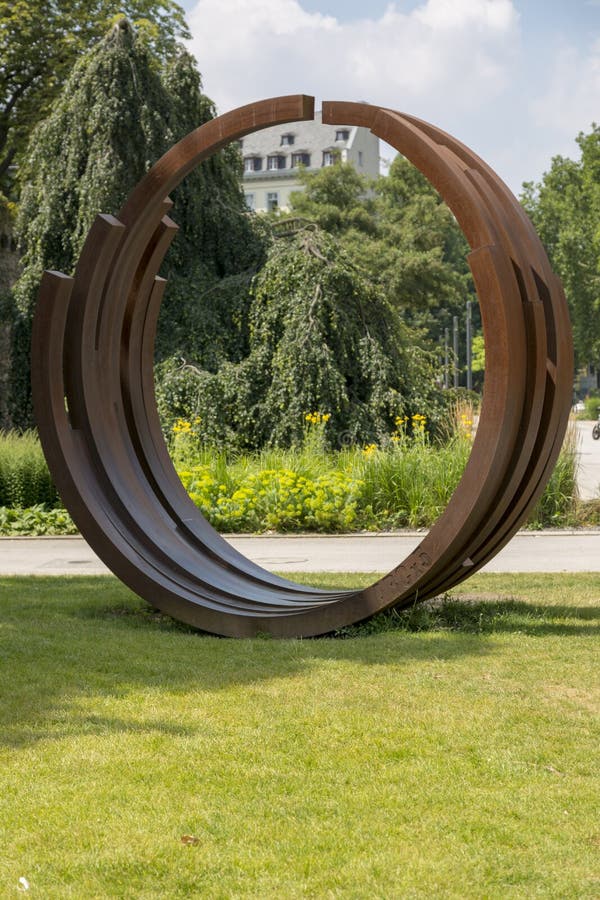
[{"x": 92, "y": 360}]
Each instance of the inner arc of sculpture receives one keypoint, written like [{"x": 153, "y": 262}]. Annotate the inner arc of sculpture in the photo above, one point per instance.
[{"x": 92, "y": 381}]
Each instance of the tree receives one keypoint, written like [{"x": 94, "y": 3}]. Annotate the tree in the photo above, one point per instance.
[
  {"x": 322, "y": 338},
  {"x": 337, "y": 199},
  {"x": 117, "y": 114},
  {"x": 40, "y": 41},
  {"x": 401, "y": 234},
  {"x": 204, "y": 316},
  {"x": 565, "y": 209},
  {"x": 426, "y": 261}
]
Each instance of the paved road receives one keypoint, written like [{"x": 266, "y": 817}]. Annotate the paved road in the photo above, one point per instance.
[
  {"x": 527, "y": 552},
  {"x": 588, "y": 476}
]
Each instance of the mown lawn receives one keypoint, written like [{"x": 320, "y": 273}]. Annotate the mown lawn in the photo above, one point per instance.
[{"x": 452, "y": 753}]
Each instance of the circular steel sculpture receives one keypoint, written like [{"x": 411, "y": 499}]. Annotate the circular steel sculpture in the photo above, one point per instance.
[{"x": 92, "y": 374}]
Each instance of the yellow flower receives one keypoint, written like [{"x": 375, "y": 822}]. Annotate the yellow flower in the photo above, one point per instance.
[{"x": 317, "y": 418}]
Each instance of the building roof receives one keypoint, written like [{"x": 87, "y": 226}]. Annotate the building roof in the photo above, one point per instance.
[{"x": 310, "y": 137}]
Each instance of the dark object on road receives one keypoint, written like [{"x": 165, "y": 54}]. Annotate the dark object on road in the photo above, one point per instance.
[
  {"x": 596, "y": 430},
  {"x": 92, "y": 361}
]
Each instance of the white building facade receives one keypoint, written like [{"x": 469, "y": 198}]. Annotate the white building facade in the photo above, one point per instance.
[{"x": 272, "y": 158}]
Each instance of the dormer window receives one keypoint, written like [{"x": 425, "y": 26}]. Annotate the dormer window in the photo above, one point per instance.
[
  {"x": 287, "y": 140},
  {"x": 342, "y": 134},
  {"x": 275, "y": 162},
  {"x": 300, "y": 159},
  {"x": 253, "y": 164}
]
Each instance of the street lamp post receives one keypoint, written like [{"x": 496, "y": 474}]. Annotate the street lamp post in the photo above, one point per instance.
[
  {"x": 469, "y": 349},
  {"x": 455, "y": 348},
  {"x": 446, "y": 354}
]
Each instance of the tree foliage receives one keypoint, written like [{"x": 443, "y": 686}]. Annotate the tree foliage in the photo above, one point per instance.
[
  {"x": 105, "y": 129},
  {"x": 219, "y": 247},
  {"x": 254, "y": 332},
  {"x": 400, "y": 233},
  {"x": 40, "y": 41},
  {"x": 117, "y": 114},
  {"x": 565, "y": 209},
  {"x": 322, "y": 338}
]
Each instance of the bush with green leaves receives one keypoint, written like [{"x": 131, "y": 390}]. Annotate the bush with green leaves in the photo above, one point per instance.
[
  {"x": 275, "y": 500},
  {"x": 404, "y": 482},
  {"x": 35, "y": 521}
]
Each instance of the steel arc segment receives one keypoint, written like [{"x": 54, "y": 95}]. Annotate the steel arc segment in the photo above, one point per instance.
[
  {"x": 496, "y": 466},
  {"x": 92, "y": 381}
]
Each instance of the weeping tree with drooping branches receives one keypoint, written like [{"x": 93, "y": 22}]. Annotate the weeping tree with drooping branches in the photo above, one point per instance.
[
  {"x": 322, "y": 338},
  {"x": 120, "y": 110}
]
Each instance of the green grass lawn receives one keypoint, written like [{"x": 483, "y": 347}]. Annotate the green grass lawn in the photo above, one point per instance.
[{"x": 449, "y": 752}]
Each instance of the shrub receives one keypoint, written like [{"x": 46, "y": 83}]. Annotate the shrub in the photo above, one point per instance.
[
  {"x": 404, "y": 483},
  {"x": 36, "y": 520},
  {"x": 592, "y": 406},
  {"x": 409, "y": 486},
  {"x": 274, "y": 500}
]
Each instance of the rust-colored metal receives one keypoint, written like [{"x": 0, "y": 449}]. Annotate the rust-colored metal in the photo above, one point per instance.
[{"x": 92, "y": 372}]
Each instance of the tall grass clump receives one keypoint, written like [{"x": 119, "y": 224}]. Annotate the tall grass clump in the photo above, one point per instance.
[
  {"x": 24, "y": 477},
  {"x": 557, "y": 506},
  {"x": 408, "y": 482}
]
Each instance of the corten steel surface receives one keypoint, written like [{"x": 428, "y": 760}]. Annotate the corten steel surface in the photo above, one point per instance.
[{"x": 92, "y": 361}]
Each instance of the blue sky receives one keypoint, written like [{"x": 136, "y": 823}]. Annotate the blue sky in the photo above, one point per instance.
[{"x": 514, "y": 79}]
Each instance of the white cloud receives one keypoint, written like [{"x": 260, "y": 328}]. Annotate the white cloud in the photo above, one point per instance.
[
  {"x": 441, "y": 56},
  {"x": 570, "y": 102},
  {"x": 463, "y": 64}
]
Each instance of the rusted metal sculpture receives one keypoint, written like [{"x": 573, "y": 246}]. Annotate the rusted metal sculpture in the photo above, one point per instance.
[{"x": 92, "y": 361}]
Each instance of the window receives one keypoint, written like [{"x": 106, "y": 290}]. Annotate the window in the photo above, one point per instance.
[
  {"x": 287, "y": 140},
  {"x": 272, "y": 200},
  {"x": 249, "y": 198},
  {"x": 252, "y": 164},
  {"x": 330, "y": 157},
  {"x": 342, "y": 134},
  {"x": 275, "y": 162},
  {"x": 360, "y": 157},
  {"x": 300, "y": 159}
]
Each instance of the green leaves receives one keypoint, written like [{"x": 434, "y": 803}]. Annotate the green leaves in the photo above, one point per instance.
[
  {"x": 41, "y": 40},
  {"x": 565, "y": 209},
  {"x": 320, "y": 336},
  {"x": 118, "y": 113},
  {"x": 35, "y": 520},
  {"x": 400, "y": 235}
]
